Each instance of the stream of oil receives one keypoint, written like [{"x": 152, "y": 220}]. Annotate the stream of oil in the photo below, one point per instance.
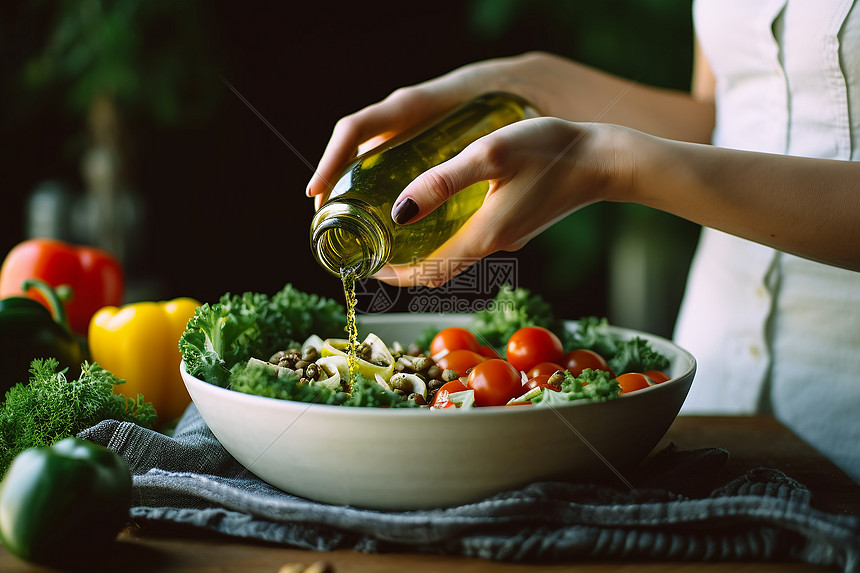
[{"x": 348, "y": 278}]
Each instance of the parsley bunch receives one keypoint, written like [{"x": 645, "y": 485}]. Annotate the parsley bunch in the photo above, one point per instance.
[{"x": 51, "y": 407}]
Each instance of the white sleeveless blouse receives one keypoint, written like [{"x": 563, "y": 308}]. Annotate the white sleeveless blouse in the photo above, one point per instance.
[{"x": 774, "y": 332}]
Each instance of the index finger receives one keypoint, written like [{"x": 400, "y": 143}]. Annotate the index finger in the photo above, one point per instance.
[
  {"x": 404, "y": 109},
  {"x": 469, "y": 245}
]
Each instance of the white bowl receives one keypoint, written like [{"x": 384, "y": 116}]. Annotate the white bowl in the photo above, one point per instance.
[{"x": 406, "y": 459}]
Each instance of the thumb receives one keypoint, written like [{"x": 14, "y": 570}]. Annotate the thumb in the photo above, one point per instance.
[{"x": 435, "y": 186}]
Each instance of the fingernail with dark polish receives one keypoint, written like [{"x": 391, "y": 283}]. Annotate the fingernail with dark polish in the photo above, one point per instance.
[{"x": 404, "y": 211}]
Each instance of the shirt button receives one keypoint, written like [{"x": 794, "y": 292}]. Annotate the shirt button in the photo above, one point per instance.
[{"x": 754, "y": 350}]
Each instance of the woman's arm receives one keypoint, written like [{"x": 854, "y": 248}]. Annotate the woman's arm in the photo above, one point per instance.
[
  {"x": 808, "y": 207},
  {"x": 543, "y": 169},
  {"x": 583, "y": 94}
]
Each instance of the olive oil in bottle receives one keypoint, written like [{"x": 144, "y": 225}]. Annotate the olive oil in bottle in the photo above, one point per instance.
[{"x": 353, "y": 231}]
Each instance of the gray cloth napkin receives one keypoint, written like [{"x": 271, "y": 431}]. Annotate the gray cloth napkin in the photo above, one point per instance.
[{"x": 672, "y": 511}]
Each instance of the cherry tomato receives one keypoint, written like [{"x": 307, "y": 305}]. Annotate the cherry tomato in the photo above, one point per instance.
[
  {"x": 460, "y": 361},
  {"x": 657, "y": 376},
  {"x": 495, "y": 381},
  {"x": 454, "y": 338},
  {"x": 531, "y": 345},
  {"x": 548, "y": 368},
  {"x": 454, "y": 386},
  {"x": 540, "y": 381},
  {"x": 578, "y": 360},
  {"x": 442, "y": 397},
  {"x": 442, "y": 400},
  {"x": 632, "y": 381},
  {"x": 488, "y": 352}
]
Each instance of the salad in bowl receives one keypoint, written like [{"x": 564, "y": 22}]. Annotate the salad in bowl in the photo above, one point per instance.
[{"x": 437, "y": 410}]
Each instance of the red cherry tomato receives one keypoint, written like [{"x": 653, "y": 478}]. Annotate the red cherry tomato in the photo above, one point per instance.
[
  {"x": 578, "y": 360},
  {"x": 495, "y": 382},
  {"x": 488, "y": 352},
  {"x": 548, "y": 368},
  {"x": 454, "y": 386},
  {"x": 442, "y": 400},
  {"x": 540, "y": 381},
  {"x": 632, "y": 381},
  {"x": 657, "y": 376},
  {"x": 460, "y": 361},
  {"x": 442, "y": 397},
  {"x": 454, "y": 338},
  {"x": 531, "y": 345}
]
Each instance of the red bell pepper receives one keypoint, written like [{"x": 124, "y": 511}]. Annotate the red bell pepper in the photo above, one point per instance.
[{"x": 94, "y": 276}]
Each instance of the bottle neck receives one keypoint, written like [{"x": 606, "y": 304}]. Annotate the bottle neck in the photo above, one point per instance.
[{"x": 348, "y": 237}]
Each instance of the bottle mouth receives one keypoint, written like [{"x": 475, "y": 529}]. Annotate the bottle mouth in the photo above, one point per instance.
[{"x": 346, "y": 237}]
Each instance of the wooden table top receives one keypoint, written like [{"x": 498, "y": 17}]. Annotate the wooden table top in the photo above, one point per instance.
[{"x": 754, "y": 441}]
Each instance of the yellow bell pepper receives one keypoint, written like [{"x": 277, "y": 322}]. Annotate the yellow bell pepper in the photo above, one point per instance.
[{"x": 140, "y": 343}]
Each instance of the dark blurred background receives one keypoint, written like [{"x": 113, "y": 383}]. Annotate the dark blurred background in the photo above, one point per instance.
[{"x": 117, "y": 128}]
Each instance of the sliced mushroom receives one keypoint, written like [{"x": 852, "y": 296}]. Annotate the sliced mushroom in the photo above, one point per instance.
[{"x": 408, "y": 383}]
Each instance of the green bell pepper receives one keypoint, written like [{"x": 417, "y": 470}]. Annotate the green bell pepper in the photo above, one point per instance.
[
  {"x": 65, "y": 503},
  {"x": 28, "y": 330}
]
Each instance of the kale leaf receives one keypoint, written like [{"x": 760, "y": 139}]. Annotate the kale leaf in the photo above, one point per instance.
[
  {"x": 633, "y": 355},
  {"x": 364, "y": 392},
  {"x": 237, "y": 327},
  {"x": 637, "y": 355},
  {"x": 262, "y": 380},
  {"x": 592, "y": 333},
  {"x": 510, "y": 310}
]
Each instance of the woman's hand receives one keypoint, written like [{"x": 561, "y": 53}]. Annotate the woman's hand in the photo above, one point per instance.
[
  {"x": 557, "y": 87},
  {"x": 543, "y": 169},
  {"x": 401, "y": 111},
  {"x": 539, "y": 170}
]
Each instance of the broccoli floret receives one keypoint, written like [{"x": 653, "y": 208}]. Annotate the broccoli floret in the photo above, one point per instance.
[{"x": 592, "y": 385}]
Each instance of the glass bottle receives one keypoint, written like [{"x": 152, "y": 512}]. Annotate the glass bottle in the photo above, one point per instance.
[{"x": 353, "y": 231}]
